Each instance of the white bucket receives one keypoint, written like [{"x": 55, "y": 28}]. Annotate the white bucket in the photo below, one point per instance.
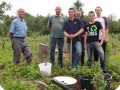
[
  {"x": 1, "y": 88},
  {"x": 45, "y": 69},
  {"x": 118, "y": 88}
]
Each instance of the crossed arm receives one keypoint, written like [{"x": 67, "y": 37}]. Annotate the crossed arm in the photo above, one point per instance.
[{"x": 74, "y": 35}]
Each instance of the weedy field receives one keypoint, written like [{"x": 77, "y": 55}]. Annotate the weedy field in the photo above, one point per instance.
[{"x": 28, "y": 77}]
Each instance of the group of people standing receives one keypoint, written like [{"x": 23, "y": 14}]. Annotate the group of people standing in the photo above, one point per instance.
[{"x": 91, "y": 36}]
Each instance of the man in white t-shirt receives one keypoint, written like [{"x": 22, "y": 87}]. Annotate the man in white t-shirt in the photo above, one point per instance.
[{"x": 104, "y": 24}]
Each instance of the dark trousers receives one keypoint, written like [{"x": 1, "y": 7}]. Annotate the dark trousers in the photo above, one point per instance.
[
  {"x": 96, "y": 54},
  {"x": 59, "y": 42},
  {"x": 21, "y": 46},
  {"x": 83, "y": 52}
]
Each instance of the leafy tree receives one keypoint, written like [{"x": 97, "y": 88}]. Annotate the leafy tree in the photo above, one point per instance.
[
  {"x": 36, "y": 25},
  {"x": 30, "y": 23},
  {"x": 114, "y": 25},
  {"x": 3, "y": 26},
  {"x": 78, "y": 5},
  {"x": 86, "y": 18},
  {"x": 3, "y": 8}
]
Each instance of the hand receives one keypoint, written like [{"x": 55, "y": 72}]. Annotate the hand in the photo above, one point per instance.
[
  {"x": 100, "y": 44},
  {"x": 106, "y": 40},
  {"x": 49, "y": 30},
  {"x": 71, "y": 36},
  {"x": 85, "y": 47}
]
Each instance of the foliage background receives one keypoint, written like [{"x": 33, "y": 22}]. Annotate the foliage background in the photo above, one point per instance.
[{"x": 21, "y": 77}]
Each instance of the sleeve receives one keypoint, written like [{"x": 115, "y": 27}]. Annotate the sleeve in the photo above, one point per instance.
[
  {"x": 103, "y": 24},
  {"x": 85, "y": 28},
  {"x": 99, "y": 25},
  {"x": 65, "y": 27},
  {"x": 85, "y": 23},
  {"x": 81, "y": 25},
  {"x": 12, "y": 27},
  {"x": 106, "y": 22},
  {"x": 106, "y": 25}
]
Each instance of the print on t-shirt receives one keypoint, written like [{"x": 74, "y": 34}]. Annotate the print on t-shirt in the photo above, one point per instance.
[{"x": 92, "y": 31}]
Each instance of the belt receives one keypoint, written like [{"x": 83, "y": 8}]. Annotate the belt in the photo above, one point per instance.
[{"x": 19, "y": 37}]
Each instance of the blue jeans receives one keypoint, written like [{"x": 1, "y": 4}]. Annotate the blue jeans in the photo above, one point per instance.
[
  {"x": 76, "y": 53},
  {"x": 90, "y": 47},
  {"x": 59, "y": 42}
]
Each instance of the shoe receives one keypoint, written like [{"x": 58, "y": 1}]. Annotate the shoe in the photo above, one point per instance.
[
  {"x": 29, "y": 61},
  {"x": 74, "y": 69}
]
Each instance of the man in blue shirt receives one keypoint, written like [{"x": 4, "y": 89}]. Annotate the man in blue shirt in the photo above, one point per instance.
[
  {"x": 73, "y": 28},
  {"x": 17, "y": 33}
]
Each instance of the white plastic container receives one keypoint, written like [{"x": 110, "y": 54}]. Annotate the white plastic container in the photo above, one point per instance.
[
  {"x": 118, "y": 88},
  {"x": 45, "y": 69},
  {"x": 1, "y": 88},
  {"x": 66, "y": 80}
]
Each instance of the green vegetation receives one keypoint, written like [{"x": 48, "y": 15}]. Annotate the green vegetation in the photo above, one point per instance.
[
  {"x": 25, "y": 77},
  {"x": 21, "y": 77},
  {"x": 37, "y": 25}
]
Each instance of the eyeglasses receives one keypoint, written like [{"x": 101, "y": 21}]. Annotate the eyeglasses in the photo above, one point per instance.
[{"x": 91, "y": 15}]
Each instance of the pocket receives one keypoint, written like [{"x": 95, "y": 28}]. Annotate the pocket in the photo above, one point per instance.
[{"x": 12, "y": 42}]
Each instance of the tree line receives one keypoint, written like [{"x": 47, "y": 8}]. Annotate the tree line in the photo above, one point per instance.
[{"x": 37, "y": 25}]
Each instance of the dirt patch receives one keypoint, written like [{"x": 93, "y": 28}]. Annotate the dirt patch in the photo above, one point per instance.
[
  {"x": 40, "y": 85},
  {"x": 77, "y": 85},
  {"x": 2, "y": 66}
]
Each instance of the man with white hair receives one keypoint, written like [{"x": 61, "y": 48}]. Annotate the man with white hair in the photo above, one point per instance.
[{"x": 17, "y": 33}]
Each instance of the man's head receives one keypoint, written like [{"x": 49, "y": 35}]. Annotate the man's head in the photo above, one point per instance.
[
  {"x": 78, "y": 13},
  {"x": 98, "y": 11},
  {"x": 21, "y": 13},
  {"x": 58, "y": 10},
  {"x": 91, "y": 15},
  {"x": 71, "y": 12}
]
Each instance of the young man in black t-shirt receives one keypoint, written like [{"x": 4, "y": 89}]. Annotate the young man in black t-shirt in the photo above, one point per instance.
[{"x": 92, "y": 39}]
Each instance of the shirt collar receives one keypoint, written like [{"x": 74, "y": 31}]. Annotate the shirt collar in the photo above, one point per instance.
[
  {"x": 20, "y": 19},
  {"x": 73, "y": 20}
]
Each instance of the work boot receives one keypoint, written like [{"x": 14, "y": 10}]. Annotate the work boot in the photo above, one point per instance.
[{"x": 29, "y": 61}]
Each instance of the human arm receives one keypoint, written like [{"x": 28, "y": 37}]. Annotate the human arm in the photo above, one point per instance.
[
  {"x": 106, "y": 28},
  {"x": 49, "y": 29},
  {"x": 12, "y": 30},
  {"x": 74, "y": 35},
  {"x": 49, "y": 24},
  {"x": 10, "y": 35},
  {"x": 102, "y": 37},
  {"x": 66, "y": 34},
  {"x": 106, "y": 34},
  {"x": 78, "y": 33},
  {"x": 85, "y": 40},
  {"x": 81, "y": 28}
]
